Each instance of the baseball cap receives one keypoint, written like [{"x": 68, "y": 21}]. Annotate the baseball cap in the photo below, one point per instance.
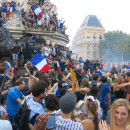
[
  {"x": 67, "y": 103},
  {"x": 63, "y": 85}
]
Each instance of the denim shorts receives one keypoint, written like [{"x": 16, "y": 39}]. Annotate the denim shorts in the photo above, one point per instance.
[
  {"x": 15, "y": 56},
  {"x": 22, "y": 57}
]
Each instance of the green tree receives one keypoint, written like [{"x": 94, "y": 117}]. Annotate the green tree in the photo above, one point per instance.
[{"x": 115, "y": 47}]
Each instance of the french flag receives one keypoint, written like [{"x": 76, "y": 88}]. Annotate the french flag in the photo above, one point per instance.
[
  {"x": 99, "y": 72},
  {"x": 37, "y": 11},
  {"x": 58, "y": 67},
  {"x": 10, "y": 11},
  {"x": 40, "y": 63}
]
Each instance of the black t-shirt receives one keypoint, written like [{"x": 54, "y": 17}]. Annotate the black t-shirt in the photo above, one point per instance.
[
  {"x": 15, "y": 50},
  {"x": 96, "y": 64},
  {"x": 62, "y": 66}
]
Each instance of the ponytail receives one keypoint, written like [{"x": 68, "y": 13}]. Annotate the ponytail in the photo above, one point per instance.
[{"x": 96, "y": 120}]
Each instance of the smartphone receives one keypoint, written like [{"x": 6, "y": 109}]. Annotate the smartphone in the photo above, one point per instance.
[{"x": 51, "y": 122}]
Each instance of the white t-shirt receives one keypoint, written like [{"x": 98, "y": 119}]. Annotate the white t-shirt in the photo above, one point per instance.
[
  {"x": 47, "y": 53},
  {"x": 39, "y": 22},
  {"x": 5, "y": 125},
  {"x": 47, "y": 16},
  {"x": 67, "y": 124}
]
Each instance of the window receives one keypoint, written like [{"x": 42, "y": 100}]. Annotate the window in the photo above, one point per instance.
[
  {"x": 100, "y": 36},
  {"x": 88, "y": 35},
  {"x": 88, "y": 47},
  {"x": 94, "y": 47},
  {"x": 88, "y": 54},
  {"x": 94, "y": 54},
  {"x": 94, "y": 36}
]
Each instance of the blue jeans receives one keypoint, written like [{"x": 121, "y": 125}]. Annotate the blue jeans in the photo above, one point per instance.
[
  {"x": 11, "y": 119},
  {"x": 15, "y": 56},
  {"x": 104, "y": 108}
]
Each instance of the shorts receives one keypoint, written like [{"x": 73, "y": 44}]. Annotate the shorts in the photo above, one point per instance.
[
  {"x": 15, "y": 56},
  {"x": 22, "y": 57},
  {"x": 4, "y": 15}
]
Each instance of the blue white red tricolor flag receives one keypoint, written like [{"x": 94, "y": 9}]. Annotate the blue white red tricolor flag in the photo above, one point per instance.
[
  {"x": 40, "y": 63},
  {"x": 58, "y": 67},
  {"x": 99, "y": 72},
  {"x": 10, "y": 11},
  {"x": 37, "y": 11}
]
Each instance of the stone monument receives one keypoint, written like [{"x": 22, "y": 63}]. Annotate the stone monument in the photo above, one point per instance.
[{"x": 15, "y": 30}]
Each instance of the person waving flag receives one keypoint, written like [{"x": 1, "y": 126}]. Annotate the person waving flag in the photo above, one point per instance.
[
  {"x": 10, "y": 11},
  {"x": 37, "y": 11},
  {"x": 40, "y": 63}
]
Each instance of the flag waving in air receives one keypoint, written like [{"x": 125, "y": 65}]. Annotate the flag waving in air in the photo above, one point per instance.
[
  {"x": 10, "y": 11},
  {"x": 40, "y": 63},
  {"x": 37, "y": 11},
  {"x": 58, "y": 67},
  {"x": 73, "y": 75}
]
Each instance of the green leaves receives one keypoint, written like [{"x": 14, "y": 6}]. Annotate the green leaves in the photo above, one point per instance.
[{"x": 115, "y": 46}]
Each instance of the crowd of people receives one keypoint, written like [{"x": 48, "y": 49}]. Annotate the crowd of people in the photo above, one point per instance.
[
  {"x": 48, "y": 21},
  {"x": 52, "y": 99}
]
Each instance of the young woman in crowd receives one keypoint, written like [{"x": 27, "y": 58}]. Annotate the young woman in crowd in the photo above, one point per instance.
[
  {"x": 84, "y": 84},
  {"x": 120, "y": 116},
  {"x": 119, "y": 87},
  {"x": 91, "y": 106}
]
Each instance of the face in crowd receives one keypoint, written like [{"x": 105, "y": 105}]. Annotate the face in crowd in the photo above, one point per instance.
[{"x": 121, "y": 115}]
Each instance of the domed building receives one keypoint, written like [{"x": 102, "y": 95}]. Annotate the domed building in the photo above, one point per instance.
[{"x": 86, "y": 42}]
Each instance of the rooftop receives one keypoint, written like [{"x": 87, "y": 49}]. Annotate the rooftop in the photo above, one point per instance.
[{"x": 91, "y": 20}]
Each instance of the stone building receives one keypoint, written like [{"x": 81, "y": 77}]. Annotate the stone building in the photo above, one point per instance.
[{"x": 86, "y": 42}]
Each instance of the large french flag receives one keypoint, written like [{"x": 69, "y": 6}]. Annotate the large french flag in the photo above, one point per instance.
[
  {"x": 37, "y": 11},
  {"x": 10, "y": 11},
  {"x": 40, "y": 63},
  {"x": 58, "y": 67}
]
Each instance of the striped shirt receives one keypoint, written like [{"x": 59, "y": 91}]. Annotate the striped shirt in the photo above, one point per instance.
[{"x": 67, "y": 124}]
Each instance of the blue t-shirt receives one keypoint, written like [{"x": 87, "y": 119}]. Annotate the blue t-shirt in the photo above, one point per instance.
[
  {"x": 104, "y": 91},
  {"x": 12, "y": 105},
  {"x": 4, "y": 9}
]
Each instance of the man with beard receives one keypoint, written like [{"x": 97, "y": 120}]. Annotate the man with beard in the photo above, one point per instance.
[{"x": 34, "y": 101}]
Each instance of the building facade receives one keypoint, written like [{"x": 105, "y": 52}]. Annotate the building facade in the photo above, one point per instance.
[{"x": 86, "y": 42}]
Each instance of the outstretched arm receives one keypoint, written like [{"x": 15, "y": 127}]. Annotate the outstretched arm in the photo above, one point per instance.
[{"x": 123, "y": 85}]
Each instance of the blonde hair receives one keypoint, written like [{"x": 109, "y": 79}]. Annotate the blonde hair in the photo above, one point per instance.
[
  {"x": 52, "y": 71},
  {"x": 84, "y": 83},
  {"x": 119, "y": 102},
  {"x": 93, "y": 106},
  {"x": 118, "y": 80}
]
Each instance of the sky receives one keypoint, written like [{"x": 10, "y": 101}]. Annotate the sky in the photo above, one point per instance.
[{"x": 113, "y": 14}]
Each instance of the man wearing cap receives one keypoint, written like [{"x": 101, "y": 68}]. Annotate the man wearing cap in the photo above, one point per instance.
[
  {"x": 62, "y": 88},
  {"x": 67, "y": 104}
]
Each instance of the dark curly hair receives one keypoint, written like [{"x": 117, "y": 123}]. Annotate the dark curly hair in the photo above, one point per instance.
[{"x": 52, "y": 102}]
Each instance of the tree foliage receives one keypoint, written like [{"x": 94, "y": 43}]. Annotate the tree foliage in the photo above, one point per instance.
[{"x": 115, "y": 47}]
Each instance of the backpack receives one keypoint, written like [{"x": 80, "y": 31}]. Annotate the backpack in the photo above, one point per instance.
[{"x": 21, "y": 120}]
